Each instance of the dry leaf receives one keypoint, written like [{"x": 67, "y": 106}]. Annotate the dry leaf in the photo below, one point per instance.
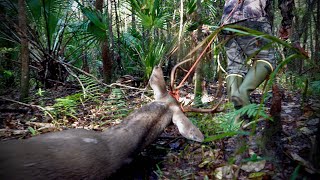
[{"x": 253, "y": 166}]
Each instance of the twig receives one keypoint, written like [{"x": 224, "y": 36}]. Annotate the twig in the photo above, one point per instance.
[
  {"x": 125, "y": 86},
  {"x": 28, "y": 105},
  {"x": 82, "y": 71},
  {"x": 252, "y": 122}
]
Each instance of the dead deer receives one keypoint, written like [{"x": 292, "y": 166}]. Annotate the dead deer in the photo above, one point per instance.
[{"x": 84, "y": 154}]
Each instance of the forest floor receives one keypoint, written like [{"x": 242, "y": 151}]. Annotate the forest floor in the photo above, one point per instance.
[{"x": 289, "y": 154}]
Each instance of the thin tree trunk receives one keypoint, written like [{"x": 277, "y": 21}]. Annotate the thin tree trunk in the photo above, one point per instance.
[
  {"x": 106, "y": 59},
  {"x": 316, "y": 147},
  {"x": 133, "y": 20},
  {"x": 24, "y": 52},
  {"x": 316, "y": 36},
  {"x": 110, "y": 15},
  {"x": 180, "y": 52},
  {"x": 85, "y": 64},
  {"x": 119, "y": 63},
  {"x": 198, "y": 72}
]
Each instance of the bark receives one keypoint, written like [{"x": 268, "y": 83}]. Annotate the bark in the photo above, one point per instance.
[
  {"x": 316, "y": 146},
  {"x": 110, "y": 16},
  {"x": 317, "y": 36},
  {"x": 199, "y": 70},
  {"x": 106, "y": 59},
  {"x": 85, "y": 64},
  {"x": 133, "y": 18},
  {"x": 24, "y": 51},
  {"x": 118, "y": 58}
]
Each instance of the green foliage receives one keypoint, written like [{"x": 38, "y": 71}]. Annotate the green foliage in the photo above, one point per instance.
[
  {"x": 253, "y": 158},
  {"x": 147, "y": 53},
  {"x": 159, "y": 172},
  {"x": 152, "y": 56},
  {"x": 116, "y": 104},
  {"x": 33, "y": 131},
  {"x": 7, "y": 75},
  {"x": 5, "y": 50},
  {"x": 295, "y": 173},
  {"x": 65, "y": 107},
  {"x": 191, "y": 6},
  {"x": 91, "y": 89},
  {"x": 40, "y": 92},
  {"x": 48, "y": 17},
  {"x": 7, "y": 79},
  {"x": 223, "y": 124},
  {"x": 295, "y": 82},
  {"x": 150, "y": 12},
  {"x": 252, "y": 111},
  {"x": 224, "y": 135},
  {"x": 315, "y": 86},
  {"x": 98, "y": 22}
]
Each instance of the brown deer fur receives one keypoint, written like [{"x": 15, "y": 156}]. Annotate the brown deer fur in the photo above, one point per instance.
[{"x": 84, "y": 154}]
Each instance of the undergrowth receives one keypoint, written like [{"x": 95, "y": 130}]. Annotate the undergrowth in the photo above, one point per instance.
[
  {"x": 116, "y": 104},
  {"x": 91, "y": 103},
  {"x": 228, "y": 123}
]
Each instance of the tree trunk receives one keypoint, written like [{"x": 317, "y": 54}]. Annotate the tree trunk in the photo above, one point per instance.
[
  {"x": 118, "y": 58},
  {"x": 199, "y": 70},
  {"x": 111, "y": 39},
  {"x": 316, "y": 36},
  {"x": 24, "y": 52},
  {"x": 85, "y": 64},
  {"x": 133, "y": 19},
  {"x": 106, "y": 59}
]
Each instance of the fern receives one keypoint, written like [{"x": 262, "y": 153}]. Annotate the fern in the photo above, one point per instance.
[
  {"x": 90, "y": 87},
  {"x": 65, "y": 107},
  {"x": 116, "y": 104},
  {"x": 223, "y": 125},
  {"x": 252, "y": 111}
]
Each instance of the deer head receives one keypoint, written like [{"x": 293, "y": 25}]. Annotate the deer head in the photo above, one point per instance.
[{"x": 185, "y": 126}]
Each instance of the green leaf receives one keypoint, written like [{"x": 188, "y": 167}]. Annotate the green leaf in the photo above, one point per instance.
[
  {"x": 95, "y": 17},
  {"x": 33, "y": 131},
  {"x": 224, "y": 135}
]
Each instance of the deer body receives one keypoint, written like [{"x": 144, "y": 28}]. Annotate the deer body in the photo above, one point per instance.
[{"x": 83, "y": 154}]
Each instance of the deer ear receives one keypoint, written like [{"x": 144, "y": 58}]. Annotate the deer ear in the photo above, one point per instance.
[{"x": 186, "y": 128}]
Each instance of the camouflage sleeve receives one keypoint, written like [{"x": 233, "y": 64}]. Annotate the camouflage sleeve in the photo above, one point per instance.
[{"x": 286, "y": 7}]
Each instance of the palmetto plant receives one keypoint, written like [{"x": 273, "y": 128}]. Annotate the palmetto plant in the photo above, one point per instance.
[
  {"x": 147, "y": 53},
  {"x": 148, "y": 43},
  {"x": 150, "y": 12},
  {"x": 48, "y": 37},
  {"x": 56, "y": 35}
]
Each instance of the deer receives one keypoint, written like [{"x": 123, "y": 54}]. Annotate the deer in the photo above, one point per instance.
[{"x": 85, "y": 154}]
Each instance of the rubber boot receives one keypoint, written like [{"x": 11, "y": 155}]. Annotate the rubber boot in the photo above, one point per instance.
[
  {"x": 233, "y": 83},
  {"x": 260, "y": 70}
]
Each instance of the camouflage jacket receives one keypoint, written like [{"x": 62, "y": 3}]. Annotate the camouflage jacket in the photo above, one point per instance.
[{"x": 256, "y": 10}]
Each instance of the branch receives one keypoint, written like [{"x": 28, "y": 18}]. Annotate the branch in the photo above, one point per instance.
[
  {"x": 213, "y": 110},
  {"x": 28, "y": 105}
]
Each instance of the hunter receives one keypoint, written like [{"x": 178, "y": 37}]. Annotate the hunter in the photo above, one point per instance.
[{"x": 254, "y": 14}]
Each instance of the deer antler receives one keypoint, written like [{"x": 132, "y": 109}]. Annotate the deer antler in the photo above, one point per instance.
[
  {"x": 173, "y": 73},
  {"x": 213, "y": 110},
  {"x": 175, "y": 90}
]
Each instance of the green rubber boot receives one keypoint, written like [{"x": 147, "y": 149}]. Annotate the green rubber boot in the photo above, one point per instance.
[
  {"x": 260, "y": 70},
  {"x": 233, "y": 83}
]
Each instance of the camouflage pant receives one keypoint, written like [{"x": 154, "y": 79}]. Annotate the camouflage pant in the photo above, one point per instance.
[{"x": 240, "y": 48}]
